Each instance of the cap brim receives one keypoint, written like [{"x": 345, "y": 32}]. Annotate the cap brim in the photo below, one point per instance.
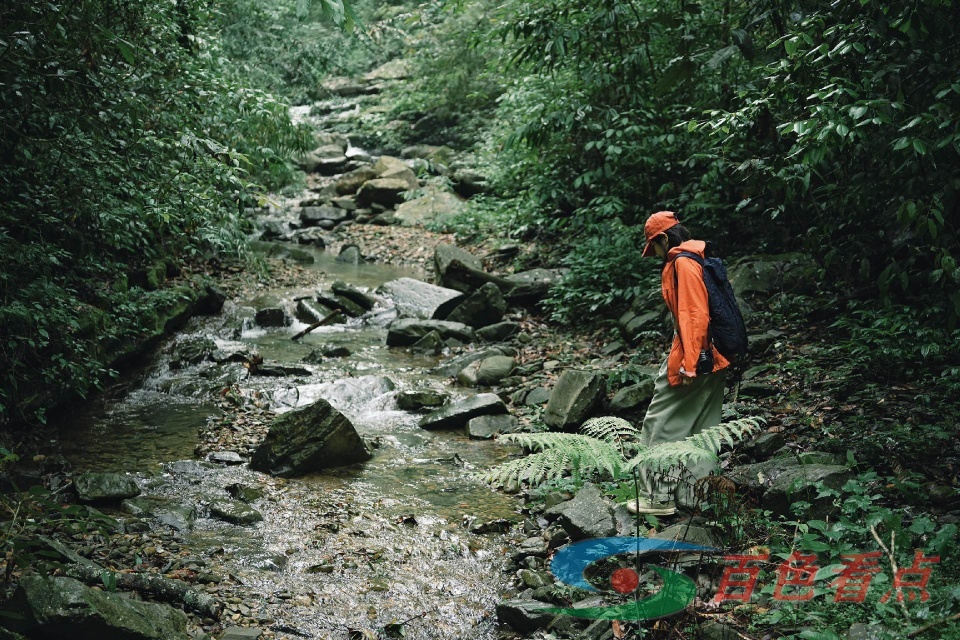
[{"x": 648, "y": 250}]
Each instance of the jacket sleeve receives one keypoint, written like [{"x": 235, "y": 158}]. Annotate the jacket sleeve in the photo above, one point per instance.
[{"x": 693, "y": 312}]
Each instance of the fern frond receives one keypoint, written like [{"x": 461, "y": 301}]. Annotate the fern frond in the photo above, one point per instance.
[
  {"x": 557, "y": 454},
  {"x": 616, "y": 431},
  {"x": 696, "y": 448}
]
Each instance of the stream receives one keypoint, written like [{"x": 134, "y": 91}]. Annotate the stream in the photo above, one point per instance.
[{"x": 378, "y": 548}]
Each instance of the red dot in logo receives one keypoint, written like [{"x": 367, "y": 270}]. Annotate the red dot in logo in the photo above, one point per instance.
[{"x": 624, "y": 580}]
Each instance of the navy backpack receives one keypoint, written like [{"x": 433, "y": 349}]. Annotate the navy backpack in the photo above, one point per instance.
[{"x": 727, "y": 330}]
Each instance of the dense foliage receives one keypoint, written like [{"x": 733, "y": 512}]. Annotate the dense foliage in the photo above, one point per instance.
[{"x": 123, "y": 141}]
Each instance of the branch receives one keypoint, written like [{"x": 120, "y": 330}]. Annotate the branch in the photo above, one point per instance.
[{"x": 327, "y": 320}]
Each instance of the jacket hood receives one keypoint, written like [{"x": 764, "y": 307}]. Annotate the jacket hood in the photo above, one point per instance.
[{"x": 693, "y": 246}]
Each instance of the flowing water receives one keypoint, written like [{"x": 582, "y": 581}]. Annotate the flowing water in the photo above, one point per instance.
[{"x": 357, "y": 548}]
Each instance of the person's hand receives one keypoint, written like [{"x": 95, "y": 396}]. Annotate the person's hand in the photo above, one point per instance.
[{"x": 685, "y": 379}]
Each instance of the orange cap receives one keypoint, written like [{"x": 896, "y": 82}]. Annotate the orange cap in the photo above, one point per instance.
[{"x": 655, "y": 225}]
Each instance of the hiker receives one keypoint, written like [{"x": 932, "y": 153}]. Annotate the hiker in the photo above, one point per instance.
[{"x": 688, "y": 392}]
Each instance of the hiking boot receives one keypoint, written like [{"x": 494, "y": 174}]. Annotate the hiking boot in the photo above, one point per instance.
[{"x": 650, "y": 507}]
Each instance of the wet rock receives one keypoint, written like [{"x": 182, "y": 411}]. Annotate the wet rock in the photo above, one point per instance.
[
  {"x": 523, "y": 616},
  {"x": 271, "y": 229},
  {"x": 360, "y": 390},
  {"x": 482, "y": 308},
  {"x": 498, "y": 332},
  {"x": 574, "y": 399},
  {"x": 633, "y": 396},
  {"x": 66, "y": 608},
  {"x": 782, "y": 481},
  {"x": 427, "y": 208},
  {"x": 226, "y": 457},
  {"x": 244, "y": 492},
  {"x": 458, "y": 414},
  {"x": 355, "y": 295},
  {"x": 461, "y": 270},
  {"x": 418, "y": 299},
  {"x": 421, "y": 399},
  {"x": 500, "y": 525},
  {"x": 350, "y": 182},
  {"x": 242, "y": 633},
  {"x": 431, "y": 343},
  {"x": 488, "y": 427},
  {"x": 531, "y": 397},
  {"x": 311, "y": 311},
  {"x": 633, "y": 323},
  {"x": 346, "y": 305},
  {"x": 760, "y": 342},
  {"x": 587, "y": 515},
  {"x": 349, "y": 254},
  {"x": 533, "y": 284},
  {"x": 453, "y": 366},
  {"x": 385, "y": 219},
  {"x": 313, "y": 216},
  {"x": 318, "y": 355},
  {"x": 192, "y": 350},
  {"x": 758, "y": 389},
  {"x": 271, "y": 317},
  {"x": 407, "y": 331},
  {"x": 104, "y": 487},
  {"x": 312, "y": 236},
  {"x": 384, "y": 191},
  {"x": 309, "y": 439},
  {"x": 469, "y": 183},
  {"x": 535, "y": 579},
  {"x": 444, "y": 254},
  {"x": 234, "y": 512},
  {"x": 764, "y": 446},
  {"x": 390, "y": 168},
  {"x": 279, "y": 371},
  {"x": 486, "y": 372}
]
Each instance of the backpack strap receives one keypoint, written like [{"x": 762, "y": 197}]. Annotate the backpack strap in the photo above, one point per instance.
[{"x": 676, "y": 287}]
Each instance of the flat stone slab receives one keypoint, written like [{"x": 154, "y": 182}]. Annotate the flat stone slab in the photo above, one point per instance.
[
  {"x": 408, "y": 331},
  {"x": 418, "y": 299},
  {"x": 458, "y": 414}
]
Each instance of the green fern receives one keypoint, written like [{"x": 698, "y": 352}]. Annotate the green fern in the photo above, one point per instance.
[
  {"x": 604, "y": 447},
  {"x": 557, "y": 454},
  {"x": 696, "y": 448}
]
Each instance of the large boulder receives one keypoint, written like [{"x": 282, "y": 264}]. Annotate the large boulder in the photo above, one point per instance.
[
  {"x": 104, "y": 487},
  {"x": 632, "y": 396},
  {"x": 587, "y": 515},
  {"x": 355, "y": 295},
  {"x": 784, "y": 480},
  {"x": 634, "y": 322},
  {"x": 524, "y": 616},
  {"x": 235, "y": 512},
  {"x": 408, "y": 331},
  {"x": 498, "y": 332},
  {"x": 327, "y": 159},
  {"x": 391, "y": 168},
  {"x": 351, "y": 182},
  {"x": 418, "y": 299},
  {"x": 62, "y": 607},
  {"x": 323, "y": 216},
  {"x": 766, "y": 275},
  {"x": 387, "y": 192},
  {"x": 463, "y": 271},
  {"x": 458, "y": 414},
  {"x": 482, "y": 308},
  {"x": 533, "y": 284},
  {"x": 574, "y": 399},
  {"x": 309, "y": 439},
  {"x": 396, "y": 69},
  {"x": 428, "y": 207}
]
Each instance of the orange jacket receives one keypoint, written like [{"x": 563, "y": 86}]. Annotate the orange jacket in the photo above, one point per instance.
[{"x": 686, "y": 296}]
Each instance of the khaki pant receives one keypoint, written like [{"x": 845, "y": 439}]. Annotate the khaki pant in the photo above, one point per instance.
[{"x": 673, "y": 414}]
